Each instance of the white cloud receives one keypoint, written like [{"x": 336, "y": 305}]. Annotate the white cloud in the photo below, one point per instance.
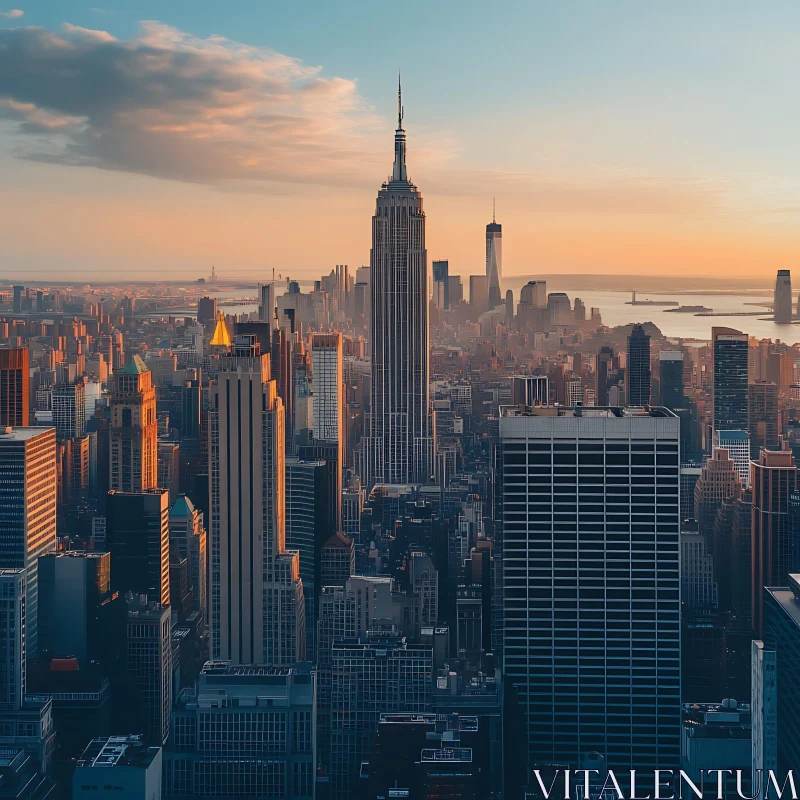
[{"x": 13, "y": 13}]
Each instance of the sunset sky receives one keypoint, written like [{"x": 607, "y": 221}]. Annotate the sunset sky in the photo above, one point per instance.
[{"x": 155, "y": 138}]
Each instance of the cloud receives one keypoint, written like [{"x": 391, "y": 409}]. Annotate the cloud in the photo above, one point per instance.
[
  {"x": 12, "y": 13},
  {"x": 217, "y": 112},
  {"x": 174, "y": 106}
]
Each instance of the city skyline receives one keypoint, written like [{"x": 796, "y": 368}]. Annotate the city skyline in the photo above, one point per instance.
[{"x": 128, "y": 176}]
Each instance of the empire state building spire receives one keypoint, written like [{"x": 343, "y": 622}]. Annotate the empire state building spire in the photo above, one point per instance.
[{"x": 399, "y": 170}]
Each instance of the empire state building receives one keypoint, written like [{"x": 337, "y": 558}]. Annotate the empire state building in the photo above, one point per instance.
[{"x": 400, "y": 443}]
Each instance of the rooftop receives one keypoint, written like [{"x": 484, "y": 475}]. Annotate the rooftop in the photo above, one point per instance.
[
  {"x": 787, "y": 599},
  {"x": 23, "y": 434},
  {"x": 117, "y": 751},
  {"x": 182, "y": 507},
  {"x": 609, "y": 412},
  {"x": 135, "y": 366}
]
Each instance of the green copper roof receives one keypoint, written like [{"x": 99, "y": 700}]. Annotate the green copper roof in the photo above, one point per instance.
[
  {"x": 134, "y": 367},
  {"x": 182, "y": 507}
]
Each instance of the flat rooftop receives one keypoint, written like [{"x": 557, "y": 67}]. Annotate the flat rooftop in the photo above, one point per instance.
[
  {"x": 609, "y": 412},
  {"x": 8, "y": 435},
  {"x": 117, "y": 751}
]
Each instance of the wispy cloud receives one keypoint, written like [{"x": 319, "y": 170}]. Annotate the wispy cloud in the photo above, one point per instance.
[{"x": 12, "y": 13}]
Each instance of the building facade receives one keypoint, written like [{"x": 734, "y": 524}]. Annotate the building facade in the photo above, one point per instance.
[
  {"x": 28, "y": 511},
  {"x": 244, "y": 731},
  {"x": 257, "y": 605},
  {"x": 15, "y": 401},
  {"x": 133, "y": 461},
  {"x": 590, "y": 582}
]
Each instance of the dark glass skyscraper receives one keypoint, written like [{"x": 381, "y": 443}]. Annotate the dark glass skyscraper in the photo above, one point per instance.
[
  {"x": 638, "y": 371},
  {"x": 671, "y": 379},
  {"x": 730, "y": 379},
  {"x": 399, "y": 448}
]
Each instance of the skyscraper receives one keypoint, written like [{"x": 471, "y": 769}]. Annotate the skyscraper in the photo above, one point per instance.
[
  {"x": 670, "y": 364},
  {"x": 69, "y": 410},
  {"x": 257, "y": 607},
  {"x": 590, "y": 581},
  {"x": 400, "y": 445},
  {"x": 638, "y": 369},
  {"x": 187, "y": 539},
  {"x": 774, "y": 552},
  {"x": 782, "y": 646},
  {"x": 309, "y": 524},
  {"x": 782, "y": 307},
  {"x": 328, "y": 407},
  {"x": 764, "y": 423},
  {"x": 494, "y": 259},
  {"x": 137, "y": 536},
  {"x": 730, "y": 353},
  {"x": 28, "y": 511},
  {"x": 134, "y": 429},
  {"x": 266, "y": 304},
  {"x": 14, "y": 387},
  {"x": 12, "y": 637},
  {"x": 441, "y": 284}
]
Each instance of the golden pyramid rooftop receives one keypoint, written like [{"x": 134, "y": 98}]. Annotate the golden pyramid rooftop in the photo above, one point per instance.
[{"x": 221, "y": 337}]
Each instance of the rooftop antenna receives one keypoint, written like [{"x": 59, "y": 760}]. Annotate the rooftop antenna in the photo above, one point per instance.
[
  {"x": 494, "y": 211},
  {"x": 399, "y": 103}
]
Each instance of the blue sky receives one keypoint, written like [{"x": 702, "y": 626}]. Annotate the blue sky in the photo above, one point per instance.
[{"x": 567, "y": 111}]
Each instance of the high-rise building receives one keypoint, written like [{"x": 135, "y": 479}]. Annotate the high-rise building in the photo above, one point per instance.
[
  {"x": 266, "y": 303},
  {"x": 605, "y": 368},
  {"x": 718, "y": 482},
  {"x": 134, "y": 429},
  {"x": 187, "y": 539},
  {"x": 698, "y": 587},
  {"x": 737, "y": 443},
  {"x": 246, "y": 732},
  {"x": 308, "y": 526},
  {"x": 560, "y": 309},
  {"x": 257, "y": 608},
  {"x": 206, "y": 310},
  {"x": 400, "y": 444},
  {"x": 119, "y": 767},
  {"x": 590, "y": 581},
  {"x": 137, "y": 536},
  {"x": 328, "y": 406},
  {"x": 148, "y": 665},
  {"x": 345, "y": 614},
  {"x": 730, "y": 354},
  {"x": 764, "y": 425},
  {"x": 782, "y": 638},
  {"x": 381, "y": 673},
  {"x": 479, "y": 293},
  {"x": 15, "y": 398},
  {"x": 774, "y": 553},
  {"x": 494, "y": 259},
  {"x": 74, "y": 599},
  {"x": 338, "y": 560},
  {"x": 637, "y": 372},
  {"x": 782, "y": 307},
  {"x": 69, "y": 410},
  {"x": 12, "y": 637},
  {"x": 28, "y": 511},
  {"x": 763, "y": 708},
  {"x": 441, "y": 284}
]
